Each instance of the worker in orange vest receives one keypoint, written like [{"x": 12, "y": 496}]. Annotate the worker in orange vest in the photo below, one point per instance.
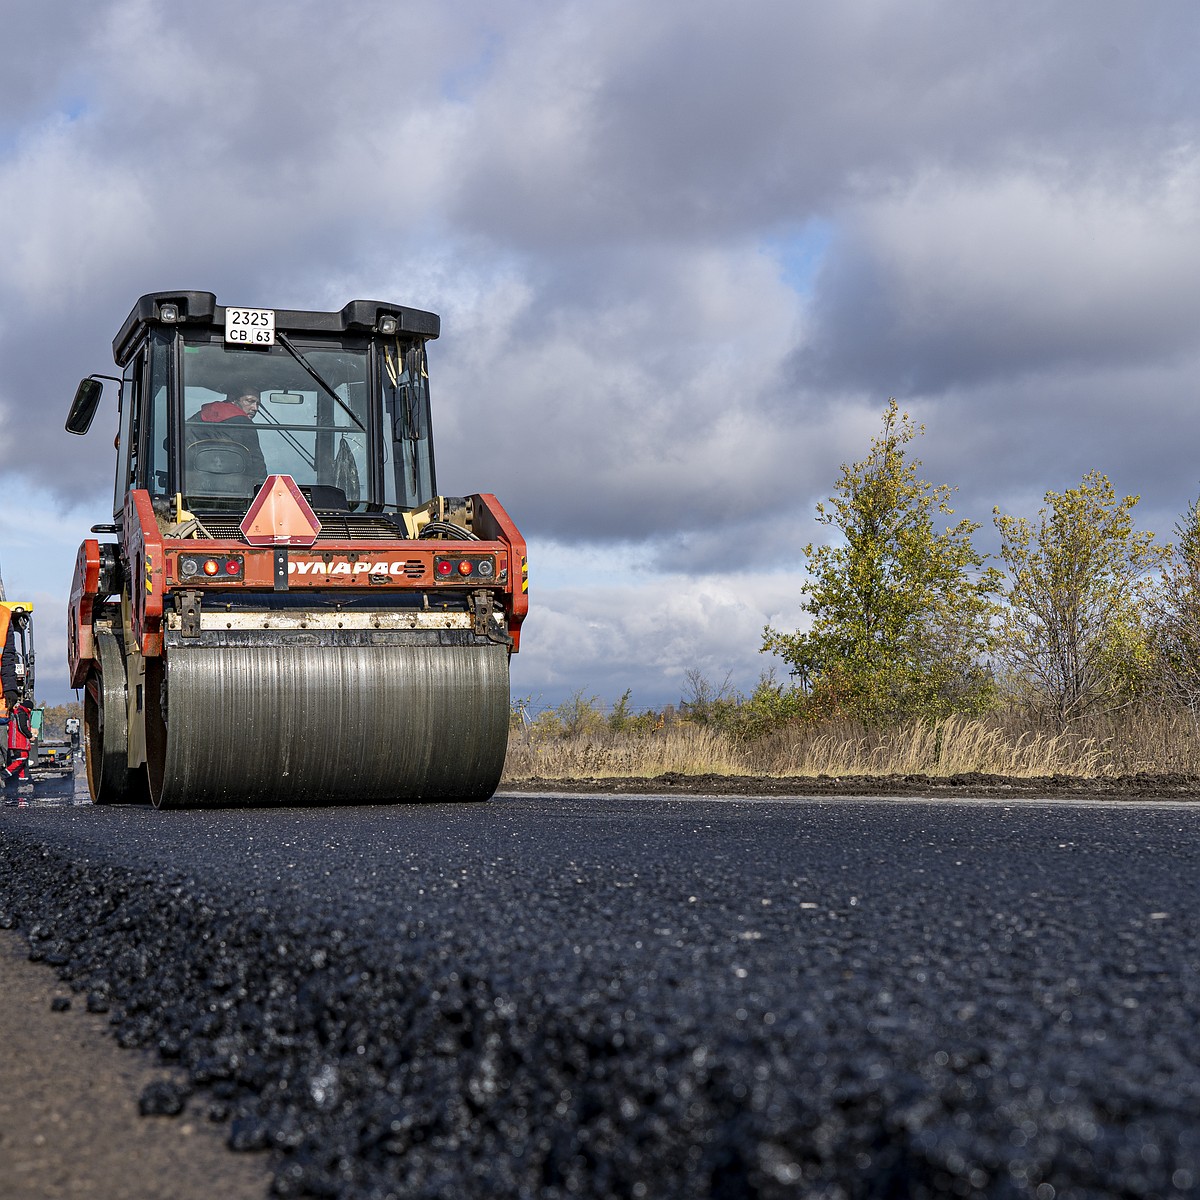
[{"x": 16, "y": 704}]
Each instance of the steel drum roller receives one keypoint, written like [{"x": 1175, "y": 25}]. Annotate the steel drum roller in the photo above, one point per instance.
[{"x": 330, "y": 724}]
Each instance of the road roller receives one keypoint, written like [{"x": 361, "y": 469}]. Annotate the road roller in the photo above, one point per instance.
[{"x": 283, "y": 609}]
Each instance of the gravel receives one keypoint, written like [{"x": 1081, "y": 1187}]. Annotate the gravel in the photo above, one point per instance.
[{"x": 561, "y": 996}]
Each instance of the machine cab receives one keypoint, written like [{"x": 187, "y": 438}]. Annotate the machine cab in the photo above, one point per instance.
[{"x": 213, "y": 399}]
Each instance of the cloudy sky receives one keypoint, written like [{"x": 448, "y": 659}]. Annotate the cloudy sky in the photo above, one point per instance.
[{"x": 683, "y": 253}]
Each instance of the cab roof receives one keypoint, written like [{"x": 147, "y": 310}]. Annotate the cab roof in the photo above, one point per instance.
[{"x": 201, "y": 308}]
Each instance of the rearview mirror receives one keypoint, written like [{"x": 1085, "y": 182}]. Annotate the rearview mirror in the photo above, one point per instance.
[{"x": 83, "y": 407}]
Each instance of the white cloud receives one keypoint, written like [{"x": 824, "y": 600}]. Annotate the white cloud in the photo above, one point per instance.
[
  {"x": 961, "y": 278},
  {"x": 603, "y": 624}
]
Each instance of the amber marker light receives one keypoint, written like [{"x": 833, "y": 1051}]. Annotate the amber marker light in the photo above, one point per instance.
[
  {"x": 211, "y": 567},
  {"x": 464, "y": 567}
]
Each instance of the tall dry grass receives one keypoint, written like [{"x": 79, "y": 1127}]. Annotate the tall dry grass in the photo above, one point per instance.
[
  {"x": 1146, "y": 740},
  {"x": 954, "y": 746},
  {"x": 683, "y": 748}
]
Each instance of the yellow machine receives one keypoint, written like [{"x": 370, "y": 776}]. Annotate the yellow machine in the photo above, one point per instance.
[
  {"x": 17, "y": 616},
  {"x": 16, "y": 679}
]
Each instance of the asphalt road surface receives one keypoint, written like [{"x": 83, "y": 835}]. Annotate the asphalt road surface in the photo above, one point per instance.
[{"x": 638, "y": 996}]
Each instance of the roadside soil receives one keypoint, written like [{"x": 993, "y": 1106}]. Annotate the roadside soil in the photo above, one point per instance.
[
  {"x": 70, "y": 1125},
  {"x": 951, "y": 787},
  {"x": 69, "y": 1122}
]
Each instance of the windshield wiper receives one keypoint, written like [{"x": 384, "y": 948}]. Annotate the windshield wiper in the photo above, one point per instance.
[
  {"x": 283, "y": 339},
  {"x": 291, "y": 439}
]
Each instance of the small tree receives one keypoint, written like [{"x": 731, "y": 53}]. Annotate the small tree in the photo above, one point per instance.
[
  {"x": 704, "y": 704},
  {"x": 901, "y": 614},
  {"x": 1073, "y": 636},
  {"x": 768, "y": 708},
  {"x": 1173, "y": 614},
  {"x": 580, "y": 715},
  {"x": 620, "y": 718}
]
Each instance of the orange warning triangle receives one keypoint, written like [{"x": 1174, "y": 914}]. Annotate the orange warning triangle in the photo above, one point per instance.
[{"x": 280, "y": 515}]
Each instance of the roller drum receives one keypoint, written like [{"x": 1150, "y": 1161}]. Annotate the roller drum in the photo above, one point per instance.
[
  {"x": 106, "y": 728},
  {"x": 290, "y": 724}
]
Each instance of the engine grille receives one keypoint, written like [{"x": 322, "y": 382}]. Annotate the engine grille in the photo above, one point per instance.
[{"x": 335, "y": 527}]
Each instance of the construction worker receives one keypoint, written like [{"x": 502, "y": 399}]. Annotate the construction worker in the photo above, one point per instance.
[
  {"x": 17, "y": 712},
  {"x": 73, "y": 733}
]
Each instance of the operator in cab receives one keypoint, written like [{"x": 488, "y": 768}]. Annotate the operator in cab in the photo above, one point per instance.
[{"x": 233, "y": 421}]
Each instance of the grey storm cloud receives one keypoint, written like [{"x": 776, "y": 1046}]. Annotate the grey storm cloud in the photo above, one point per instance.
[
  {"x": 962, "y": 280},
  {"x": 683, "y": 253}
]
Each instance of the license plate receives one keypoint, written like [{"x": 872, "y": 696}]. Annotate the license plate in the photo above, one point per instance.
[{"x": 250, "y": 326}]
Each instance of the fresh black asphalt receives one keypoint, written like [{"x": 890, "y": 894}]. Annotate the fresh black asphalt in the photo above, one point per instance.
[{"x": 549, "y": 996}]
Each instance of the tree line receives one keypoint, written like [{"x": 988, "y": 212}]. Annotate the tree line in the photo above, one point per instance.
[{"x": 1079, "y": 613}]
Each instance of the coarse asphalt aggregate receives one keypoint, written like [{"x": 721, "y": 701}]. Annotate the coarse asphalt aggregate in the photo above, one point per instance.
[{"x": 638, "y": 996}]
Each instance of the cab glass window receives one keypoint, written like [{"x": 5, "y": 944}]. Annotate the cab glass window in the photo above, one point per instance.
[
  {"x": 251, "y": 412},
  {"x": 127, "y": 457},
  {"x": 408, "y": 475},
  {"x": 156, "y": 433}
]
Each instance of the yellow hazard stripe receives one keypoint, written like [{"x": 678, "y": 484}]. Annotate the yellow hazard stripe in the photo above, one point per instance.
[{"x": 524, "y": 574}]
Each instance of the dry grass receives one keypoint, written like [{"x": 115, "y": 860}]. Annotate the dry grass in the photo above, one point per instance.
[
  {"x": 955, "y": 746},
  {"x": 687, "y": 749},
  {"x": 1144, "y": 741}
]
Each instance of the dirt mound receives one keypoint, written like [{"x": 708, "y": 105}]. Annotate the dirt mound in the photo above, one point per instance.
[{"x": 1142, "y": 786}]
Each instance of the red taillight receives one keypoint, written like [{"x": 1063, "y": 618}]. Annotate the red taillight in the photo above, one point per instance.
[
  {"x": 444, "y": 566},
  {"x": 192, "y": 566}
]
